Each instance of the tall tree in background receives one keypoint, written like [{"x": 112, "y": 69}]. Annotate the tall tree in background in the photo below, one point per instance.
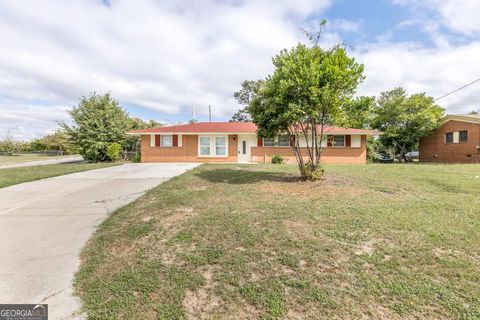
[
  {"x": 304, "y": 95},
  {"x": 98, "y": 121},
  {"x": 357, "y": 113},
  {"x": 404, "y": 119},
  {"x": 132, "y": 143},
  {"x": 244, "y": 97}
]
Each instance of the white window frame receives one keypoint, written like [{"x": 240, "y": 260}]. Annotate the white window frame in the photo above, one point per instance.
[
  {"x": 163, "y": 144},
  {"x": 276, "y": 142},
  {"x": 204, "y": 145},
  {"x": 213, "y": 146},
  {"x": 224, "y": 146},
  {"x": 264, "y": 144}
]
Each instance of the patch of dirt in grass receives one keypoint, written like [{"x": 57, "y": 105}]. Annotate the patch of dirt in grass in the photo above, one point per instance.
[
  {"x": 364, "y": 248},
  {"x": 440, "y": 252},
  {"x": 198, "y": 187},
  {"x": 299, "y": 229},
  {"x": 201, "y": 301},
  {"x": 331, "y": 186},
  {"x": 173, "y": 222}
]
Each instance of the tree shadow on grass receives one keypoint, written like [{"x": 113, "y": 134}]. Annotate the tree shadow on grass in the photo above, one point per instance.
[{"x": 233, "y": 176}]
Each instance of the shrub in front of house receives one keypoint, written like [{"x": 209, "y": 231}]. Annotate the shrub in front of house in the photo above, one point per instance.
[
  {"x": 113, "y": 151},
  {"x": 313, "y": 173},
  {"x": 277, "y": 159}
]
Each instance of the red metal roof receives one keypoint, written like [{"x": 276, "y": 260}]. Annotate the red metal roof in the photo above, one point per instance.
[{"x": 234, "y": 127}]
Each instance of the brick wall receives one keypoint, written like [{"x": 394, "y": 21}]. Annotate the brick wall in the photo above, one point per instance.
[
  {"x": 186, "y": 153},
  {"x": 434, "y": 149},
  {"x": 342, "y": 155}
]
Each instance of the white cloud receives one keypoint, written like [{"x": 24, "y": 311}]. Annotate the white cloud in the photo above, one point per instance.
[
  {"x": 458, "y": 15},
  {"x": 162, "y": 55},
  {"x": 436, "y": 71}
]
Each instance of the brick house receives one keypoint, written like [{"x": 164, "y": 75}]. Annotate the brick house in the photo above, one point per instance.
[
  {"x": 456, "y": 140},
  {"x": 238, "y": 142}
]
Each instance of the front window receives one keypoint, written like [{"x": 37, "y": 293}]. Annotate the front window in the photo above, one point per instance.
[
  {"x": 464, "y": 136},
  {"x": 220, "y": 146},
  {"x": 269, "y": 142},
  {"x": 213, "y": 146},
  {"x": 165, "y": 141},
  {"x": 283, "y": 141},
  {"x": 339, "y": 141},
  {"x": 449, "y": 137},
  {"x": 204, "y": 146}
]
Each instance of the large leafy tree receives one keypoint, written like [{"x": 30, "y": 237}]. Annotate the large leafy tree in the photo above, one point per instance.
[
  {"x": 357, "y": 113},
  {"x": 98, "y": 121},
  {"x": 244, "y": 96},
  {"x": 404, "y": 119},
  {"x": 303, "y": 96}
]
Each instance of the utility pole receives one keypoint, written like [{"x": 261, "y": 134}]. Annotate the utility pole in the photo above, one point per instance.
[{"x": 210, "y": 113}]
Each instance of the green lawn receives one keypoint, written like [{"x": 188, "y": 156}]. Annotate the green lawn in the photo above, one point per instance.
[
  {"x": 11, "y": 176},
  {"x": 253, "y": 242},
  {"x": 19, "y": 158}
]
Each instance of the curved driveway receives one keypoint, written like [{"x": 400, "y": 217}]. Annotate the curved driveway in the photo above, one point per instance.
[{"x": 44, "y": 224}]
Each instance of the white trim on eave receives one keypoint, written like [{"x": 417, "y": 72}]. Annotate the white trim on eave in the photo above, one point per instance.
[
  {"x": 189, "y": 133},
  {"x": 459, "y": 119}
]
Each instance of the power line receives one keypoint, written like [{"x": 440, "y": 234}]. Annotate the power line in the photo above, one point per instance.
[{"x": 456, "y": 90}]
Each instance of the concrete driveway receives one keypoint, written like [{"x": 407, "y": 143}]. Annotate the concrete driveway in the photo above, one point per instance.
[{"x": 44, "y": 224}]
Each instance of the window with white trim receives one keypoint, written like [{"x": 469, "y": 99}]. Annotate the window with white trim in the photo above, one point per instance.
[
  {"x": 166, "y": 141},
  {"x": 339, "y": 141},
  {"x": 269, "y": 142},
  {"x": 204, "y": 146},
  {"x": 213, "y": 146},
  {"x": 284, "y": 140},
  {"x": 220, "y": 146}
]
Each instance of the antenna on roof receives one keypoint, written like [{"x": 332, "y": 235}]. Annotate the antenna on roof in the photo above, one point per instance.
[
  {"x": 210, "y": 113},
  {"x": 193, "y": 114}
]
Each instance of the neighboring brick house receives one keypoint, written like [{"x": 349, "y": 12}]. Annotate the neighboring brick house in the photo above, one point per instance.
[
  {"x": 238, "y": 142},
  {"x": 457, "y": 140}
]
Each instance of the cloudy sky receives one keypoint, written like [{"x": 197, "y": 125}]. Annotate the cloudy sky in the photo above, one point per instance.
[{"x": 161, "y": 57}]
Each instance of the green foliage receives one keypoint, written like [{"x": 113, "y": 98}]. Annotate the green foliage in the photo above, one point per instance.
[
  {"x": 404, "y": 119},
  {"x": 132, "y": 143},
  {"x": 59, "y": 140},
  {"x": 357, "y": 113},
  {"x": 8, "y": 145},
  {"x": 277, "y": 159},
  {"x": 113, "y": 151},
  {"x": 244, "y": 97},
  {"x": 313, "y": 172},
  {"x": 374, "y": 146},
  {"x": 98, "y": 121},
  {"x": 306, "y": 92},
  {"x": 137, "y": 158}
]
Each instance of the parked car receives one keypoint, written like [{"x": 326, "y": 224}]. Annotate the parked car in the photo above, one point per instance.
[
  {"x": 385, "y": 158},
  {"x": 412, "y": 155}
]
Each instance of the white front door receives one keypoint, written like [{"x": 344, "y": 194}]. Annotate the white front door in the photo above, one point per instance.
[{"x": 245, "y": 144}]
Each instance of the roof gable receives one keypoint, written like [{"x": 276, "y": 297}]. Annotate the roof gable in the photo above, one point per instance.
[{"x": 472, "y": 118}]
